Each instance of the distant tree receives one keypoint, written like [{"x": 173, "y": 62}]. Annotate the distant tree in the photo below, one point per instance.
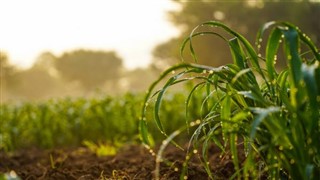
[
  {"x": 35, "y": 83},
  {"x": 243, "y": 16},
  {"x": 7, "y": 72},
  {"x": 91, "y": 68},
  {"x": 46, "y": 61},
  {"x": 6, "y": 69}
]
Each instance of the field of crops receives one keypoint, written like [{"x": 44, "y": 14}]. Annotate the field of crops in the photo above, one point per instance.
[
  {"x": 71, "y": 122},
  {"x": 265, "y": 120}
]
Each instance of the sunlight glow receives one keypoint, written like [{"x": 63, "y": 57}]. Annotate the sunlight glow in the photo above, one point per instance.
[{"x": 132, "y": 28}]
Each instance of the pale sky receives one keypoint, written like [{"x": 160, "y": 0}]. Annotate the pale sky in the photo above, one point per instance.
[{"x": 130, "y": 27}]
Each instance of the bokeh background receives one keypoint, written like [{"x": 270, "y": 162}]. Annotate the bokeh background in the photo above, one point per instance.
[{"x": 83, "y": 48}]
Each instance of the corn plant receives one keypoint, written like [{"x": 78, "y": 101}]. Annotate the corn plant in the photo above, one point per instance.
[{"x": 250, "y": 105}]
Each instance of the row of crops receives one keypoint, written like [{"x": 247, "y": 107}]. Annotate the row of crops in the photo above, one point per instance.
[{"x": 70, "y": 122}]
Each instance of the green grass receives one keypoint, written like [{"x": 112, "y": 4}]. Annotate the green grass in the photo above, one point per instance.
[{"x": 272, "y": 114}]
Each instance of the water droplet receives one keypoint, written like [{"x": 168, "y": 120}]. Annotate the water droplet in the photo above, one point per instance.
[
  {"x": 292, "y": 161},
  {"x": 260, "y": 40},
  {"x": 282, "y": 36},
  {"x": 211, "y": 72},
  {"x": 195, "y": 151},
  {"x": 198, "y": 121},
  {"x": 259, "y": 55},
  {"x": 259, "y": 46},
  {"x": 185, "y": 177},
  {"x": 173, "y": 72},
  {"x": 281, "y": 148},
  {"x": 164, "y": 142}
]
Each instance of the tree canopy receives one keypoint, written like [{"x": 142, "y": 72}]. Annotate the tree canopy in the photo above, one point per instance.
[{"x": 90, "y": 68}]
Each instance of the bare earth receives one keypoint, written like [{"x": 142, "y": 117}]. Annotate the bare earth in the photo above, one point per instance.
[{"x": 131, "y": 162}]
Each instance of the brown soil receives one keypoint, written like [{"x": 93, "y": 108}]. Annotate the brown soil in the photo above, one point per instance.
[{"x": 131, "y": 162}]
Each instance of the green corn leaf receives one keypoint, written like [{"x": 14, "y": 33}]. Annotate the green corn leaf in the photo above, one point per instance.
[
  {"x": 234, "y": 151},
  {"x": 271, "y": 51},
  {"x": 237, "y": 53},
  {"x": 308, "y": 73},
  {"x": 248, "y": 47},
  {"x": 144, "y": 131},
  {"x": 189, "y": 99},
  {"x": 226, "y": 107},
  {"x": 292, "y": 52},
  {"x": 169, "y": 83},
  {"x": 263, "y": 29},
  {"x": 283, "y": 86},
  {"x": 143, "y": 122},
  {"x": 261, "y": 114},
  {"x": 189, "y": 39}
]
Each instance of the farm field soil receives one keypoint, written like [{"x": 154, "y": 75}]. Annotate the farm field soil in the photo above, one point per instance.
[{"x": 131, "y": 162}]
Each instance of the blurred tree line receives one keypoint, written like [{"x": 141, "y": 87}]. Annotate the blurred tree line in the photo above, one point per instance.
[
  {"x": 82, "y": 72},
  {"x": 245, "y": 17},
  {"x": 75, "y": 73}
]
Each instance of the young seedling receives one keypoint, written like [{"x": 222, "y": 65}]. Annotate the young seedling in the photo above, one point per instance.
[{"x": 271, "y": 115}]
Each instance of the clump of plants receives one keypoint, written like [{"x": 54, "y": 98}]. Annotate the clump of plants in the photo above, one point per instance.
[{"x": 270, "y": 114}]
